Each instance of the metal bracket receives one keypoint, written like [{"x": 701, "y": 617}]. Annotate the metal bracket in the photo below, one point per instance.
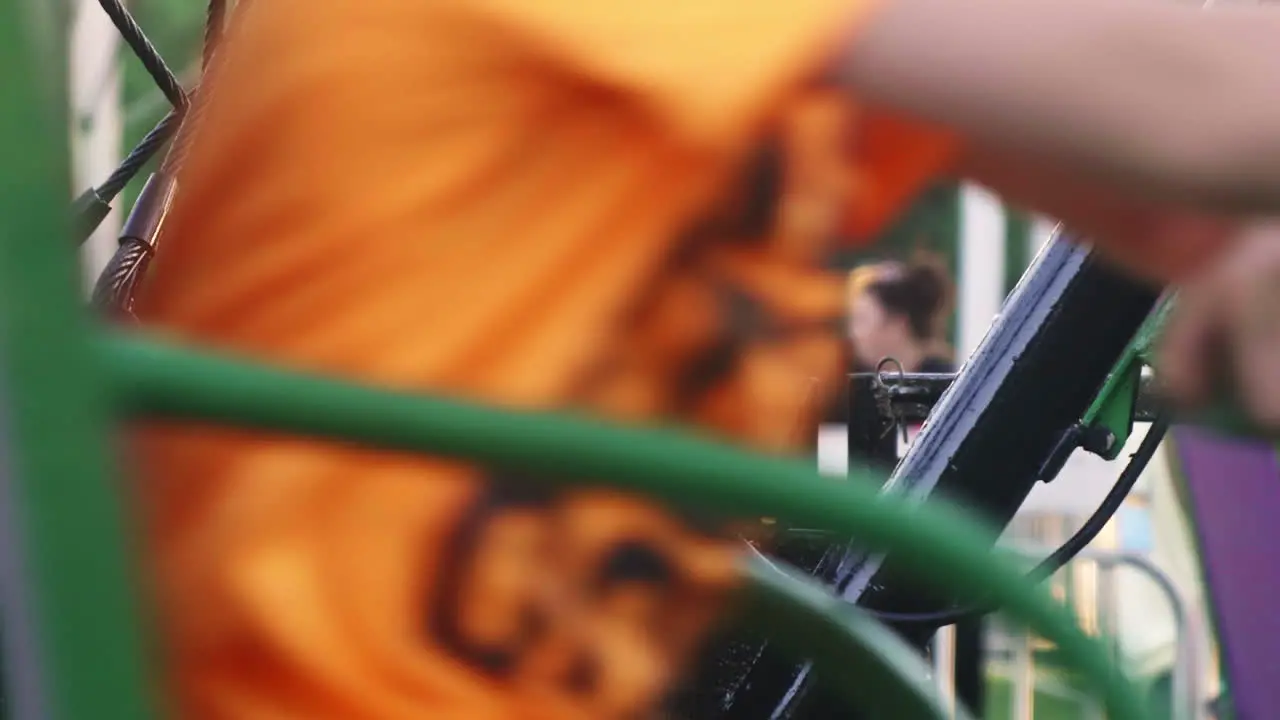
[{"x": 1109, "y": 420}]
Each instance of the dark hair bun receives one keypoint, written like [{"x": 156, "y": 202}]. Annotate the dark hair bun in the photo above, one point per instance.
[
  {"x": 929, "y": 280},
  {"x": 921, "y": 291}
]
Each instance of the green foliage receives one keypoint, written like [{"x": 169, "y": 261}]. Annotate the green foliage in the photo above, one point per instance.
[{"x": 931, "y": 223}]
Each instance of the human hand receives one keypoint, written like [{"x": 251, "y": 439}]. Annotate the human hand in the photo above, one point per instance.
[{"x": 1224, "y": 336}]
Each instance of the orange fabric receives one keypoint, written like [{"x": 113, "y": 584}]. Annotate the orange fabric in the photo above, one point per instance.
[
  {"x": 821, "y": 173},
  {"x": 896, "y": 157},
  {"x": 491, "y": 198}
]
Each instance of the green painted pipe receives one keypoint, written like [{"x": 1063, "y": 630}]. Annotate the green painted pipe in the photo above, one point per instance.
[{"x": 943, "y": 546}]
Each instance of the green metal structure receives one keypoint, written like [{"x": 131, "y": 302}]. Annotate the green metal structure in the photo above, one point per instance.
[{"x": 72, "y": 610}]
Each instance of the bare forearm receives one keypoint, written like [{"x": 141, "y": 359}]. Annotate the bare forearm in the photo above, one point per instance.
[
  {"x": 1155, "y": 241},
  {"x": 1182, "y": 104}
]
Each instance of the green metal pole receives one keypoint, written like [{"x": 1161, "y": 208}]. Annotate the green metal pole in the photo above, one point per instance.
[
  {"x": 74, "y": 649},
  {"x": 943, "y": 545}
]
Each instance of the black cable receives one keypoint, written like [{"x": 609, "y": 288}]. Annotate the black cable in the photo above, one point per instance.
[
  {"x": 167, "y": 128},
  {"x": 94, "y": 205},
  {"x": 1069, "y": 549},
  {"x": 115, "y": 287},
  {"x": 146, "y": 52},
  {"x": 140, "y": 155}
]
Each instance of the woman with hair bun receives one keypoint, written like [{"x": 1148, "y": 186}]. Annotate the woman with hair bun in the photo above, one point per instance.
[{"x": 898, "y": 311}]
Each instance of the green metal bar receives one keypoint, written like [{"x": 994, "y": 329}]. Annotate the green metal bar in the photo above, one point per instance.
[
  {"x": 1115, "y": 406},
  {"x": 944, "y": 546},
  {"x": 1115, "y": 400},
  {"x": 1134, "y": 357},
  {"x": 63, "y": 515}
]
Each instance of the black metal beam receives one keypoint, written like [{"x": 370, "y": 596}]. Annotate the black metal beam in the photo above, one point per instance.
[{"x": 970, "y": 673}]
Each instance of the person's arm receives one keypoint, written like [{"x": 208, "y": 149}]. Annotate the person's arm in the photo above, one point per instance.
[
  {"x": 1179, "y": 104},
  {"x": 1224, "y": 336},
  {"x": 1155, "y": 241},
  {"x": 1164, "y": 102}
]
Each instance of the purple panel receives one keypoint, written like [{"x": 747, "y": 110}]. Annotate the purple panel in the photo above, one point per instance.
[{"x": 1234, "y": 492}]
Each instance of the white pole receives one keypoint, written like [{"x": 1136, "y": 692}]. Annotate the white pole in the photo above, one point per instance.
[
  {"x": 1023, "y": 696},
  {"x": 97, "y": 131},
  {"x": 944, "y": 666},
  {"x": 1039, "y": 233},
  {"x": 982, "y": 259}
]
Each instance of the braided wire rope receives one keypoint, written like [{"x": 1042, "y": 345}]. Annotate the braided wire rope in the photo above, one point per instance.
[
  {"x": 215, "y": 20},
  {"x": 141, "y": 153},
  {"x": 93, "y": 206},
  {"x": 146, "y": 52},
  {"x": 114, "y": 290}
]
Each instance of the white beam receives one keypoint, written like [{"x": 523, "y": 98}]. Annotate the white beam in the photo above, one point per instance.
[
  {"x": 1039, "y": 233},
  {"x": 981, "y": 260},
  {"x": 97, "y": 131}
]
